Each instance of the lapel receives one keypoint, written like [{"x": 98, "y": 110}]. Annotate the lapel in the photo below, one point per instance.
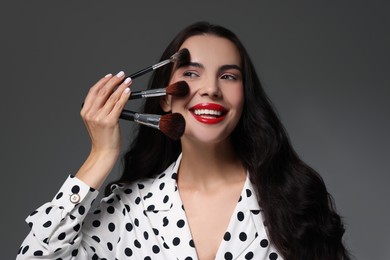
[
  {"x": 245, "y": 228},
  {"x": 164, "y": 209}
]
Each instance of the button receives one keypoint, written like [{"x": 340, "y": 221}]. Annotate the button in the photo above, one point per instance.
[{"x": 75, "y": 198}]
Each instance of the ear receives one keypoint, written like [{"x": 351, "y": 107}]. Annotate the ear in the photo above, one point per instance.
[{"x": 165, "y": 103}]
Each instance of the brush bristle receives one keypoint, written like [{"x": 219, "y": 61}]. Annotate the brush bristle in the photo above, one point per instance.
[
  {"x": 172, "y": 125},
  {"x": 182, "y": 56},
  {"x": 179, "y": 89}
]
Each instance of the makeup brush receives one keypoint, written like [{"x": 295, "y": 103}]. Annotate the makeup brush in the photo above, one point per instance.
[
  {"x": 172, "y": 125},
  {"x": 178, "y": 89},
  {"x": 182, "y": 56}
]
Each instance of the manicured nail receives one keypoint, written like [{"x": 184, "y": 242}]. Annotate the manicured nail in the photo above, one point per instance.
[
  {"x": 108, "y": 75},
  {"x": 127, "y": 90},
  {"x": 127, "y": 80},
  {"x": 120, "y": 74}
]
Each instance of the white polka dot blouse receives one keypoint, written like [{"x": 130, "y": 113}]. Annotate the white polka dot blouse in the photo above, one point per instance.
[{"x": 143, "y": 220}]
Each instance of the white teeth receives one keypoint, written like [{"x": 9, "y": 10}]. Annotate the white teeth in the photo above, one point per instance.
[{"x": 199, "y": 112}]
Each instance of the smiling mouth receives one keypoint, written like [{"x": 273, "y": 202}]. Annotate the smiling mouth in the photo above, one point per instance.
[{"x": 208, "y": 113}]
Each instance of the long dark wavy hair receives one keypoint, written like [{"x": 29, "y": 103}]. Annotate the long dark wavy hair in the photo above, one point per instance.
[{"x": 299, "y": 212}]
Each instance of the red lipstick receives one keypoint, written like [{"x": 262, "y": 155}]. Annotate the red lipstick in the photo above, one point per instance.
[{"x": 208, "y": 113}]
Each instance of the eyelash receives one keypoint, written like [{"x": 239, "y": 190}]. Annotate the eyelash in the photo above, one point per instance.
[{"x": 191, "y": 74}]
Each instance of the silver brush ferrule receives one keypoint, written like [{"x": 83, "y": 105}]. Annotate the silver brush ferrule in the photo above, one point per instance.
[
  {"x": 148, "y": 120},
  {"x": 153, "y": 92}
]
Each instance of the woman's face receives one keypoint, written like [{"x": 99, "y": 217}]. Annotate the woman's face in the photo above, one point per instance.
[{"x": 214, "y": 105}]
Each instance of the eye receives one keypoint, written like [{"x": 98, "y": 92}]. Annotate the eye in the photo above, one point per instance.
[
  {"x": 229, "y": 77},
  {"x": 190, "y": 74}
]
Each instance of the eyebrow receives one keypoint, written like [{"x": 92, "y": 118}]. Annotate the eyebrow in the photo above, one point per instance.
[{"x": 199, "y": 65}]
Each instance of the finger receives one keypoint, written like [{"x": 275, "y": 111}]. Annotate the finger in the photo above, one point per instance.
[
  {"x": 94, "y": 90},
  {"x": 120, "y": 104},
  {"x": 105, "y": 92},
  {"x": 115, "y": 97}
]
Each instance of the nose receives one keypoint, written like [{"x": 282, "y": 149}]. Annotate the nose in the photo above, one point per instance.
[{"x": 211, "y": 89}]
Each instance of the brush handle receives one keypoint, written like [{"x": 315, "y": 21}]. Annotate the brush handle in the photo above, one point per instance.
[
  {"x": 144, "y": 119},
  {"x": 148, "y": 93},
  {"x": 150, "y": 68}
]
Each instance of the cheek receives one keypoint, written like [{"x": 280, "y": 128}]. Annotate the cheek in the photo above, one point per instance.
[{"x": 236, "y": 97}]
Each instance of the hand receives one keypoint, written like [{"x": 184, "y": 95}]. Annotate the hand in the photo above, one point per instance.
[{"x": 101, "y": 110}]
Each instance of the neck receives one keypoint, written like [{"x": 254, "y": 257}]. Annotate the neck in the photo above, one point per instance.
[{"x": 206, "y": 165}]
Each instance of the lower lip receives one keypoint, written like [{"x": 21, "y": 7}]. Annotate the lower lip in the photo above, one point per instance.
[{"x": 210, "y": 120}]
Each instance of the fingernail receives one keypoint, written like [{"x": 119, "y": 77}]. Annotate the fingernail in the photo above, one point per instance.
[
  {"x": 127, "y": 80},
  {"x": 127, "y": 90},
  {"x": 108, "y": 75},
  {"x": 120, "y": 74}
]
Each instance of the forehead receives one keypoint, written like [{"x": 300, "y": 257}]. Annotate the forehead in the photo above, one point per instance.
[{"x": 211, "y": 49}]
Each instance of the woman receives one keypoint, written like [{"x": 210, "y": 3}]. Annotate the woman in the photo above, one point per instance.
[{"x": 231, "y": 188}]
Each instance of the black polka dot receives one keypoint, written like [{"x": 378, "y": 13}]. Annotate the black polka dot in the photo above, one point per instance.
[
  {"x": 96, "y": 223},
  {"x": 48, "y": 210},
  {"x": 180, "y": 223},
  {"x": 140, "y": 186},
  {"x": 97, "y": 211},
  {"x": 128, "y": 252},
  {"x": 155, "y": 231},
  {"x": 128, "y": 191},
  {"x": 273, "y": 256},
  {"x": 148, "y": 195},
  {"x": 47, "y": 224},
  {"x": 59, "y": 195},
  {"x": 240, "y": 216},
  {"x": 192, "y": 244},
  {"x": 137, "y": 200},
  {"x": 146, "y": 235},
  {"x": 97, "y": 239},
  {"x": 228, "y": 256},
  {"x": 77, "y": 227},
  {"x": 129, "y": 227},
  {"x": 75, "y": 252},
  {"x": 243, "y": 236},
  {"x": 111, "y": 209},
  {"x": 162, "y": 185},
  {"x": 188, "y": 258},
  {"x": 111, "y": 227},
  {"x": 25, "y": 249},
  {"x": 249, "y": 256},
  {"x": 156, "y": 249},
  {"x": 75, "y": 189},
  {"x": 174, "y": 176},
  {"x": 58, "y": 249},
  {"x": 165, "y": 222},
  {"x": 147, "y": 258},
  {"x": 256, "y": 212},
  {"x": 137, "y": 243},
  {"x": 61, "y": 236},
  {"x": 176, "y": 241},
  {"x": 248, "y": 193},
  {"x": 95, "y": 257},
  {"x": 38, "y": 253},
  {"x": 81, "y": 210},
  {"x": 150, "y": 208},
  {"x": 166, "y": 199},
  {"x": 227, "y": 236},
  {"x": 109, "y": 246},
  {"x": 136, "y": 222},
  {"x": 264, "y": 243}
]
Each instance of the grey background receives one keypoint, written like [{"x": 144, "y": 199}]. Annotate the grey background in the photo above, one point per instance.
[{"x": 325, "y": 64}]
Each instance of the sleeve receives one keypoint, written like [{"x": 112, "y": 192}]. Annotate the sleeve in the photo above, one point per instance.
[{"x": 63, "y": 228}]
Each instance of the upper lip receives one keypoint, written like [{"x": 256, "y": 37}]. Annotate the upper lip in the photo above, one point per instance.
[{"x": 209, "y": 108}]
